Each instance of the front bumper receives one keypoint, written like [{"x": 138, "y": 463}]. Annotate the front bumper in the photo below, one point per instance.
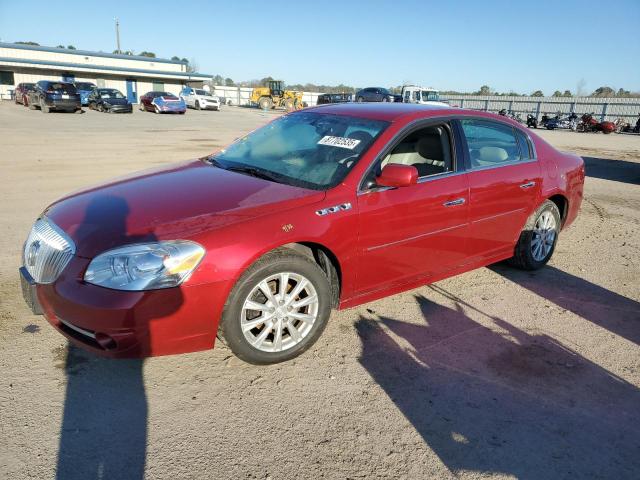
[
  {"x": 120, "y": 108},
  {"x": 122, "y": 324}
]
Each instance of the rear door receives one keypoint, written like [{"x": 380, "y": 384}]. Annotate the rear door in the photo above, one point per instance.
[
  {"x": 504, "y": 181},
  {"x": 413, "y": 232}
]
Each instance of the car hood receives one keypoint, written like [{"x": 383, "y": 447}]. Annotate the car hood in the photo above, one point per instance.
[{"x": 175, "y": 202}]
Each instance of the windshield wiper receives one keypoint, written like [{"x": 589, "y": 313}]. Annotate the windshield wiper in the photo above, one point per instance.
[
  {"x": 211, "y": 160},
  {"x": 254, "y": 172}
]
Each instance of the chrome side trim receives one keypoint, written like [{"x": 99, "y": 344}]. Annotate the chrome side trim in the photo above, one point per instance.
[
  {"x": 505, "y": 164},
  {"x": 422, "y": 235},
  {"x": 491, "y": 217}
]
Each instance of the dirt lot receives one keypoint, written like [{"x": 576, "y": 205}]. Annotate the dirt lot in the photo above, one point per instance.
[{"x": 495, "y": 373}]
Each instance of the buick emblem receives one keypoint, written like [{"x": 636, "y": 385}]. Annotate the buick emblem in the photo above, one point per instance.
[{"x": 32, "y": 253}]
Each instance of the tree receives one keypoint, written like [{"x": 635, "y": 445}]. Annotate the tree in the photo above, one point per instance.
[
  {"x": 71, "y": 47},
  {"x": 537, "y": 93},
  {"x": 60, "y": 46},
  {"x": 229, "y": 83},
  {"x": 147, "y": 54},
  {"x": 557, "y": 93},
  {"x": 623, "y": 93},
  {"x": 28, "y": 43},
  {"x": 265, "y": 81},
  {"x": 603, "y": 92},
  {"x": 567, "y": 93},
  {"x": 175, "y": 58},
  {"x": 192, "y": 65},
  {"x": 484, "y": 90}
]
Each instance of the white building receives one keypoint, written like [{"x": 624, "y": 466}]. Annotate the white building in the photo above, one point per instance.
[{"x": 131, "y": 74}]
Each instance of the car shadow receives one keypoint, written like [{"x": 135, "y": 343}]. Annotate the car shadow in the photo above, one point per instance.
[
  {"x": 611, "y": 169},
  {"x": 490, "y": 398},
  {"x": 104, "y": 423},
  {"x": 609, "y": 310}
]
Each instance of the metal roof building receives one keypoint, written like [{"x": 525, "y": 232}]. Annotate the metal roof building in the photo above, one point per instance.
[{"x": 133, "y": 75}]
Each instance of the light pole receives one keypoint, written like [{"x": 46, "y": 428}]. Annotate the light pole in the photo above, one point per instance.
[{"x": 118, "y": 34}]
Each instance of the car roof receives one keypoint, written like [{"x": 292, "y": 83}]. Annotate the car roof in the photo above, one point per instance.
[
  {"x": 391, "y": 112},
  {"x": 382, "y": 110}
]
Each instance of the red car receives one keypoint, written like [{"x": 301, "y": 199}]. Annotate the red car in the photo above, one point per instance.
[
  {"x": 21, "y": 94},
  {"x": 162, "y": 102},
  {"x": 328, "y": 207}
]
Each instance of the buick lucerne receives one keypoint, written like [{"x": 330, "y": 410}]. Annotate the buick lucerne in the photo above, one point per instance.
[{"x": 324, "y": 208}]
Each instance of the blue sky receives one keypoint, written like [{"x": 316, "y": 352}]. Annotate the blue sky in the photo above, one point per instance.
[{"x": 452, "y": 45}]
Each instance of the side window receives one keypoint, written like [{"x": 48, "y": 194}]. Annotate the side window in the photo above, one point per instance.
[
  {"x": 407, "y": 96},
  {"x": 428, "y": 149},
  {"x": 490, "y": 143},
  {"x": 526, "y": 152}
]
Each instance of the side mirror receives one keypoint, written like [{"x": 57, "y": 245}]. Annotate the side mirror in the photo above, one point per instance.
[{"x": 396, "y": 175}]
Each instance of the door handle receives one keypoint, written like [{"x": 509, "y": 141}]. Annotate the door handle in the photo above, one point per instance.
[
  {"x": 528, "y": 185},
  {"x": 453, "y": 203}
]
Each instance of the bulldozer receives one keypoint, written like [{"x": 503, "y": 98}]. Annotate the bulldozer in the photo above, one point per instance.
[{"x": 274, "y": 96}]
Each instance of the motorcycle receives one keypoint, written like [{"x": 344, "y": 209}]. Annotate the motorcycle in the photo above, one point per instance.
[
  {"x": 532, "y": 121},
  {"x": 570, "y": 122},
  {"x": 589, "y": 124}
]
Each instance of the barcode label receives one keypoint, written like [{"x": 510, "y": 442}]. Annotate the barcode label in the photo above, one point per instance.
[{"x": 341, "y": 142}]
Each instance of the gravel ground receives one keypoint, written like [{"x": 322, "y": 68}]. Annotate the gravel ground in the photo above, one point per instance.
[{"x": 496, "y": 373}]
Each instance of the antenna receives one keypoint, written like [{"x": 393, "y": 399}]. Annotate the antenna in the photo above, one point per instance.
[{"x": 118, "y": 34}]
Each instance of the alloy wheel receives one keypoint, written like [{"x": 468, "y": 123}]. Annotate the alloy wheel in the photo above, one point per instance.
[
  {"x": 279, "y": 312},
  {"x": 544, "y": 236}
]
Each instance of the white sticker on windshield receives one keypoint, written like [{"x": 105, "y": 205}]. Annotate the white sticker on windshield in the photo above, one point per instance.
[{"x": 341, "y": 142}]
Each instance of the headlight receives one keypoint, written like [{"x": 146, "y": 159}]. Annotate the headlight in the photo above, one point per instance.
[{"x": 145, "y": 266}]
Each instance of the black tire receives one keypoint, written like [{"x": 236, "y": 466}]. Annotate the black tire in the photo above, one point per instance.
[
  {"x": 156, "y": 109},
  {"x": 385, "y": 99},
  {"x": 289, "y": 105},
  {"x": 141, "y": 107},
  {"x": 32, "y": 106},
  {"x": 523, "y": 256},
  {"x": 44, "y": 108},
  {"x": 359, "y": 99},
  {"x": 281, "y": 260},
  {"x": 198, "y": 107}
]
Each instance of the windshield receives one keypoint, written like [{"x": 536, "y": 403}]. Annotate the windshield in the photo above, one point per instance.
[
  {"x": 203, "y": 92},
  {"x": 430, "y": 96},
  {"x": 309, "y": 150},
  {"x": 110, "y": 94},
  {"x": 85, "y": 86}
]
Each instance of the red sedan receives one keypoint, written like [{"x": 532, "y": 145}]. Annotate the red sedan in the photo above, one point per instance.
[
  {"x": 328, "y": 207},
  {"x": 21, "y": 94}
]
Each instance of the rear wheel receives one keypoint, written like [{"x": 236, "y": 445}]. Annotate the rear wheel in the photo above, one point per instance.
[
  {"x": 198, "y": 107},
  {"x": 278, "y": 308},
  {"x": 538, "y": 239},
  {"x": 32, "y": 106},
  {"x": 360, "y": 99},
  {"x": 141, "y": 106},
  {"x": 43, "y": 107},
  {"x": 265, "y": 103}
]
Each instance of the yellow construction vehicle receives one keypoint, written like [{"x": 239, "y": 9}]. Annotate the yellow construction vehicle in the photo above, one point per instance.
[{"x": 274, "y": 95}]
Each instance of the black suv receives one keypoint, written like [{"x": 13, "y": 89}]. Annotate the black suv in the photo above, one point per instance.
[
  {"x": 334, "y": 98},
  {"x": 51, "y": 95}
]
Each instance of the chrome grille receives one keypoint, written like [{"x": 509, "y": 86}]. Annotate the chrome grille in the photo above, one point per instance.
[{"x": 47, "y": 251}]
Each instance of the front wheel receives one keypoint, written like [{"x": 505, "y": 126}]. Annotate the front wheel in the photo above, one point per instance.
[
  {"x": 538, "y": 239},
  {"x": 278, "y": 308},
  {"x": 198, "y": 105},
  {"x": 359, "y": 99}
]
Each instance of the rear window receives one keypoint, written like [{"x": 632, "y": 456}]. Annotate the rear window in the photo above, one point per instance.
[{"x": 62, "y": 88}]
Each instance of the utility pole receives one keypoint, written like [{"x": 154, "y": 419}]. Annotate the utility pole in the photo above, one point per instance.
[{"x": 118, "y": 34}]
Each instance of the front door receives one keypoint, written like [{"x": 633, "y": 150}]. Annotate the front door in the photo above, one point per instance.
[
  {"x": 132, "y": 91},
  {"x": 416, "y": 231},
  {"x": 504, "y": 180}
]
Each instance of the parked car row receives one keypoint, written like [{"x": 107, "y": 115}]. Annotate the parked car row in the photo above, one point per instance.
[{"x": 49, "y": 95}]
